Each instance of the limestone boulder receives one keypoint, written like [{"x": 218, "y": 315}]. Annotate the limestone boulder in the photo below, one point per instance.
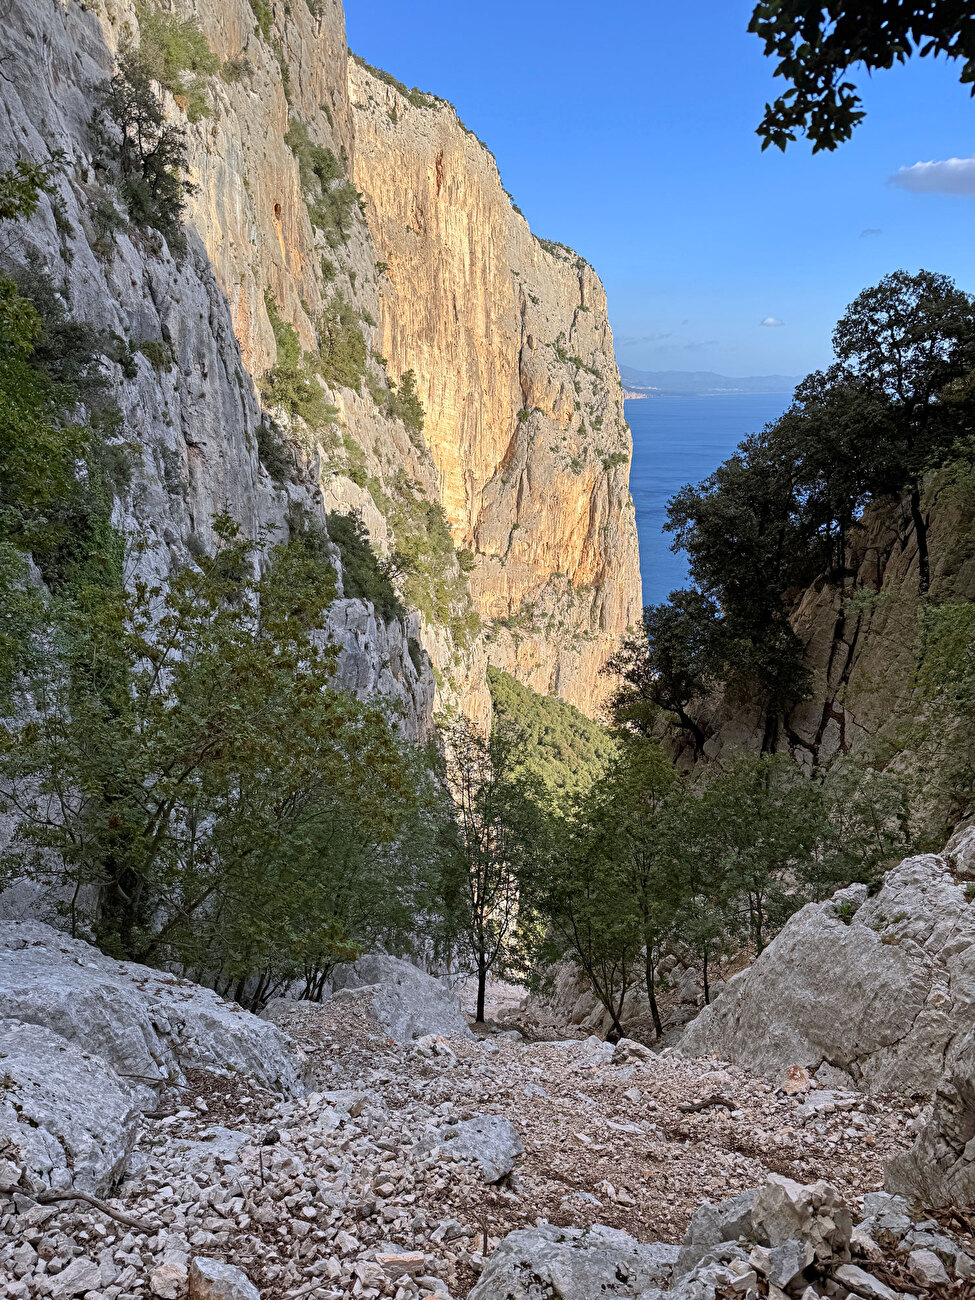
[
  {"x": 145, "y": 1024},
  {"x": 66, "y": 1118},
  {"x": 940, "y": 1166},
  {"x": 711, "y": 1225},
  {"x": 812, "y": 1213},
  {"x": 490, "y": 1141},
  {"x": 406, "y": 1001},
  {"x": 210, "y": 1279},
  {"x": 877, "y": 988},
  {"x": 960, "y": 852},
  {"x": 574, "y": 1264}
]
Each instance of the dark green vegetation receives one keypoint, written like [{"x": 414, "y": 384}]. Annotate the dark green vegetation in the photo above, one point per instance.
[
  {"x": 57, "y": 471},
  {"x": 500, "y": 841},
  {"x": 560, "y": 747},
  {"x": 177, "y": 752},
  {"x": 654, "y": 862},
  {"x": 403, "y": 403},
  {"x": 817, "y": 42},
  {"x": 897, "y": 404},
  {"x": 364, "y": 575},
  {"x": 142, "y": 152},
  {"x": 292, "y": 382},
  {"x": 330, "y": 197},
  {"x": 341, "y": 344},
  {"x": 432, "y": 571},
  {"x": 191, "y": 760},
  {"x": 175, "y": 53}
]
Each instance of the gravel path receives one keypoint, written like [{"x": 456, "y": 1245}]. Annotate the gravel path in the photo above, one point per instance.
[{"x": 326, "y": 1197}]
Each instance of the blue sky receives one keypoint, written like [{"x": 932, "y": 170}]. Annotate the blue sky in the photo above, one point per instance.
[{"x": 627, "y": 131}]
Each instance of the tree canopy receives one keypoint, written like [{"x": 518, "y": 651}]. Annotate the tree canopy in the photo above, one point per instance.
[
  {"x": 816, "y": 43},
  {"x": 895, "y": 404}
]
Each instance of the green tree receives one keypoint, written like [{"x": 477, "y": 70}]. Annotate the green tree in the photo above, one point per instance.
[
  {"x": 817, "y": 42},
  {"x": 670, "y": 663},
  {"x": 762, "y": 838},
  {"x": 151, "y": 154},
  {"x": 629, "y": 820},
  {"x": 908, "y": 340},
  {"x": 585, "y": 899},
  {"x": 364, "y": 575},
  {"x": 500, "y": 838},
  {"x": 781, "y": 512},
  {"x": 189, "y": 758}
]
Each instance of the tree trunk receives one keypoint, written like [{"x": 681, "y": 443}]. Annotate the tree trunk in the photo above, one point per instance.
[
  {"x": 704, "y": 972},
  {"x": 921, "y": 533},
  {"x": 481, "y": 984},
  {"x": 658, "y": 1028}
]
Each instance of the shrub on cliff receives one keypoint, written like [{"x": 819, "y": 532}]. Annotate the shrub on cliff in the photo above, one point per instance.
[
  {"x": 175, "y": 53},
  {"x": 403, "y": 403},
  {"x": 56, "y": 470},
  {"x": 292, "y": 382},
  {"x": 341, "y": 344},
  {"x": 329, "y": 197},
  {"x": 150, "y": 154},
  {"x": 364, "y": 575}
]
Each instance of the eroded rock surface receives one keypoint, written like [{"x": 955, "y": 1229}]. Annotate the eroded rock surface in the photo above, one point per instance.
[
  {"x": 573, "y": 1264},
  {"x": 940, "y": 1167},
  {"x": 145, "y": 1024},
  {"x": 66, "y": 1118},
  {"x": 405, "y": 1001},
  {"x": 878, "y": 988}
]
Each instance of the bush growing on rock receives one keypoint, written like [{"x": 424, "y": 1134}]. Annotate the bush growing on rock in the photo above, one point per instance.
[
  {"x": 151, "y": 153},
  {"x": 190, "y": 760}
]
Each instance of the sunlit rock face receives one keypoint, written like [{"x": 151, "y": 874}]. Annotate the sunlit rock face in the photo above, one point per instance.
[
  {"x": 514, "y": 357},
  {"x": 524, "y": 443}
]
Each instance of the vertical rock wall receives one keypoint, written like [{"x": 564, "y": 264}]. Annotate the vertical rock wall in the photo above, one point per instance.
[
  {"x": 510, "y": 341},
  {"x": 525, "y": 443}
]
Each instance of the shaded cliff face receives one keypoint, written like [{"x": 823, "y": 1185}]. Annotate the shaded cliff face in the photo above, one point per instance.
[
  {"x": 524, "y": 410},
  {"x": 261, "y": 230},
  {"x": 861, "y": 639}
]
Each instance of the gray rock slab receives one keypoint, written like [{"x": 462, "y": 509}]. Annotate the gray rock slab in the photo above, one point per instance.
[
  {"x": 66, "y": 1118},
  {"x": 210, "y": 1279},
  {"x": 406, "y": 1001},
  {"x": 146, "y": 1024},
  {"x": 573, "y": 1264},
  {"x": 490, "y": 1141},
  {"x": 711, "y": 1225},
  {"x": 875, "y": 989}
]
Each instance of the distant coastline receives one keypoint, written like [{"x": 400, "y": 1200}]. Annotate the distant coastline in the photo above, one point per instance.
[{"x": 701, "y": 383}]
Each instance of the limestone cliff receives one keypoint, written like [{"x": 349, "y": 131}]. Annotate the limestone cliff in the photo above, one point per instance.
[
  {"x": 524, "y": 408},
  {"x": 524, "y": 441}
]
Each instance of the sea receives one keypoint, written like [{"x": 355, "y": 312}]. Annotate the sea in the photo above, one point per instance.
[{"x": 678, "y": 440}]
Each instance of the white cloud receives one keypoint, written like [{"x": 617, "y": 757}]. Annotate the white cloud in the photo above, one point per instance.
[
  {"x": 951, "y": 176},
  {"x": 772, "y": 321}
]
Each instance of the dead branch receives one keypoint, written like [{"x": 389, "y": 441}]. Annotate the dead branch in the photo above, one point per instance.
[{"x": 50, "y": 1198}]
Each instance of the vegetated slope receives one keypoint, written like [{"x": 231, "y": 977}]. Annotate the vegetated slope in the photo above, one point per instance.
[
  {"x": 833, "y": 559},
  {"x": 564, "y": 748},
  {"x": 254, "y": 379}
]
